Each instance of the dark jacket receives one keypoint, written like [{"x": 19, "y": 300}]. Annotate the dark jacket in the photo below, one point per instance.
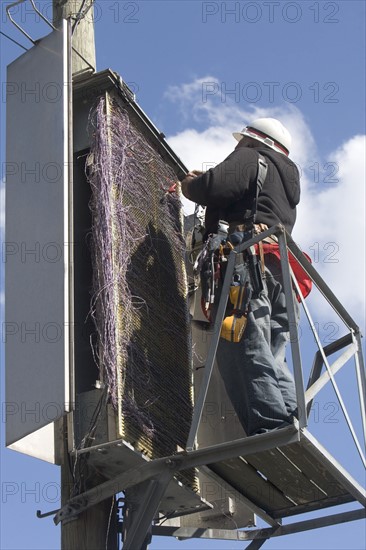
[{"x": 228, "y": 190}]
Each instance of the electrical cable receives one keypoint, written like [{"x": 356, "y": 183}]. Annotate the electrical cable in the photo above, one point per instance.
[
  {"x": 15, "y": 42},
  {"x": 109, "y": 523},
  {"x": 80, "y": 463},
  {"x": 81, "y": 15}
]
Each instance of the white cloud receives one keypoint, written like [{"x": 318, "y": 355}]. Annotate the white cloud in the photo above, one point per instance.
[
  {"x": 331, "y": 225},
  {"x": 331, "y": 216}
]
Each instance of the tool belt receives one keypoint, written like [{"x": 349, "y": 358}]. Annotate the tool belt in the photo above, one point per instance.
[
  {"x": 247, "y": 282},
  {"x": 243, "y": 227},
  {"x": 247, "y": 279}
]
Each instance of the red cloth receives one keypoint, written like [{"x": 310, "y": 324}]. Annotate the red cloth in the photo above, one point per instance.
[{"x": 303, "y": 279}]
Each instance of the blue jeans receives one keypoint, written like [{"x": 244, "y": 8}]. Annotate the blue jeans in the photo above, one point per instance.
[{"x": 255, "y": 373}]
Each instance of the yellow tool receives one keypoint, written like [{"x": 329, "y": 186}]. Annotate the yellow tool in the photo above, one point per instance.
[{"x": 233, "y": 326}]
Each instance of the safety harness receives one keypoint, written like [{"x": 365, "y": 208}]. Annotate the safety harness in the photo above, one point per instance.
[
  {"x": 249, "y": 270},
  {"x": 211, "y": 261}
]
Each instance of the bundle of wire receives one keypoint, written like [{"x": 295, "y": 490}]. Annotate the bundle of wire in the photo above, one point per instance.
[{"x": 139, "y": 304}]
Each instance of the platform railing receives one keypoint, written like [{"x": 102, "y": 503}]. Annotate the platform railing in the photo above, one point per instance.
[
  {"x": 351, "y": 343},
  {"x": 154, "y": 476},
  {"x": 316, "y": 382}
]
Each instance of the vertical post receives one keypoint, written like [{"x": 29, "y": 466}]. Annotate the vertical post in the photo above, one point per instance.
[
  {"x": 361, "y": 380},
  {"x": 210, "y": 360},
  {"x": 81, "y": 13},
  {"x": 294, "y": 337},
  {"x": 96, "y": 528}
]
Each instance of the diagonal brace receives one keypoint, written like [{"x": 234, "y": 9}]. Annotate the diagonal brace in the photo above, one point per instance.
[
  {"x": 175, "y": 463},
  {"x": 143, "y": 510}
]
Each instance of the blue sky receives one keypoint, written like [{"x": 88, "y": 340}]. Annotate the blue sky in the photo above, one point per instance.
[{"x": 201, "y": 70}]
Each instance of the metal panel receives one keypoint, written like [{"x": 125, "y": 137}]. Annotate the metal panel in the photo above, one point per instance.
[
  {"x": 297, "y": 478},
  {"x": 222, "y": 534},
  {"x": 36, "y": 251},
  {"x": 112, "y": 459},
  {"x": 219, "y": 424}
]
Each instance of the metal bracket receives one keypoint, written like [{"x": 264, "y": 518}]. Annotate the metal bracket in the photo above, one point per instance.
[
  {"x": 46, "y": 514},
  {"x": 257, "y": 535},
  {"x": 10, "y": 6},
  {"x": 139, "y": 514},
  {"x": 181, "y": 461}
]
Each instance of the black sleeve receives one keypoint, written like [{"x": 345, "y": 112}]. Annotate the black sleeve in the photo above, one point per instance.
[{"x": 227, "y": 182}]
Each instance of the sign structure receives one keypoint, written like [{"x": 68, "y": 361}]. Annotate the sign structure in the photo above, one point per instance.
[{"x": 37, "y": 252}]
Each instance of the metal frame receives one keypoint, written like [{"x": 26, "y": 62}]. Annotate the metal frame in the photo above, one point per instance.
[
  {"x": 256, "y": 535},
  {"x": 149, "y": 481},
  {"x": 35, "y": 42},
  {"x": 155, "y": 475},
  {"x": 10, "y": 6},
  {"x": 29, "y": 298},
  {"x": 180, "y": 461}
]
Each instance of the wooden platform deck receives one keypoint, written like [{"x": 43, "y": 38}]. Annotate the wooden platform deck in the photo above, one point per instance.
[{"x": 292, "y": 479}]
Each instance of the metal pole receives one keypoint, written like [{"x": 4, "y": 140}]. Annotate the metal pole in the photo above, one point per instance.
[
  {"x": 361, "y": 381},
  {"x": 294, "y": 338},
  {"x": 96, "y": 528}
]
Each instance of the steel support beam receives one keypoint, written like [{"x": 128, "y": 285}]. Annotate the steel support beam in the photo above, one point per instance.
[
  {"x": 154, "y": 476},
  {"x": 175, "y": 463},
  {"x": 320, "y": 284},
  {"x": 325, "y": 377},
  {"x": 318, "y": 362},
  {"x": 332, "y": 466},
  {"x": 361, "y": 382},
  {"x": 259, "y": 534},
  {"x": 294, "y": 336},
  {"x": 198, "y": 408},
  {"x": 256, "y": 544},
  {"x": 142, "y": 507}
]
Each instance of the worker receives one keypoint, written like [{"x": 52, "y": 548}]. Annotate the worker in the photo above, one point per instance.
[{"x": 254, "y": 370}]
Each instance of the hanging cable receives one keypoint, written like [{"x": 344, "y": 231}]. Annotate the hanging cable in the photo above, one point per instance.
[
  {"x": 109, "y": 522},
  {"x": 15, "y": 42},
  {"x": 81, "y": 14}
]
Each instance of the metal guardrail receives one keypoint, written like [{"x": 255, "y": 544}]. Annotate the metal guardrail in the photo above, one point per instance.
[
  {"x": 155, "y": 475},
  {"x": 316, "y": 380}
]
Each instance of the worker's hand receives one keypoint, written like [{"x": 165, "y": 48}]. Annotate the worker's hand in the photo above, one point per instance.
[
  {"x": 189, "y": 177},
  {"x": 194, "y": 173}
]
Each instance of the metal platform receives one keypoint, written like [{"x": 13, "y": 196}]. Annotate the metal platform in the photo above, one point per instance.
[
  {"x": 111, "y": 459},
  {"x": 283, "y": 473},
  {"x": 292, "y": 479},
  {"x": 279, "y": 474}
]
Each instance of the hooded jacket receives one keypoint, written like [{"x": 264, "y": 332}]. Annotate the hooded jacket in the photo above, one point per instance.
[{"x": 228, "y": 189}]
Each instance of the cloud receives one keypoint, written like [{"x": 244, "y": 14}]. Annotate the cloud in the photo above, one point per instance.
[{"x": 330, "y": 225}]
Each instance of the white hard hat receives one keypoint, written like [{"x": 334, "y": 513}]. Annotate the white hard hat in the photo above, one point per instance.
[{"x": 269, "y": 131}]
